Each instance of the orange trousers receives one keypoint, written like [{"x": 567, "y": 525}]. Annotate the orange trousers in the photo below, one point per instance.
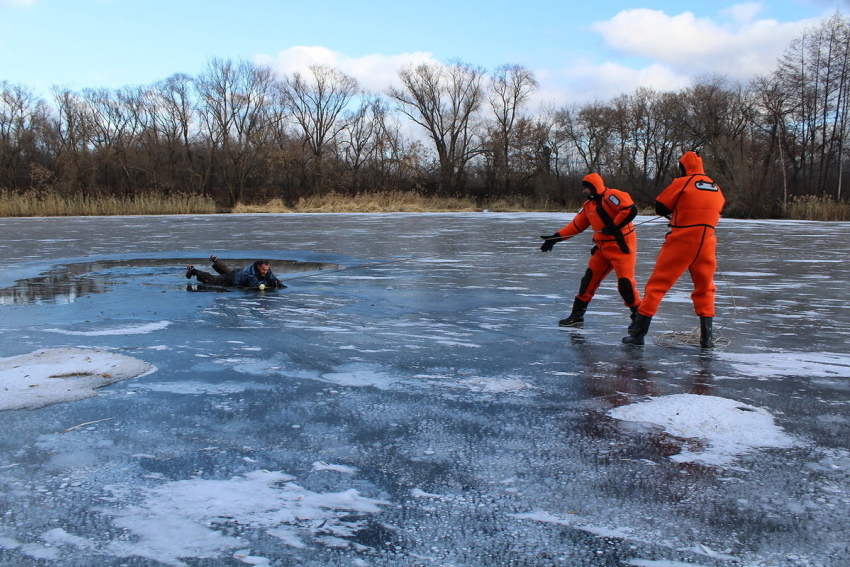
[
  {"x": 609, "y": 257},
  {"x": 693, "y": 249}
]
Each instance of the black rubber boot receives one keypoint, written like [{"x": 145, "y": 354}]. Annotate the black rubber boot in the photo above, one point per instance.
[
  {"x": 633, "y": 316},
  {"x": 575, "y": 318},
  {"x": 705, "y": 332},
  {"x": 641, "y": 328}
]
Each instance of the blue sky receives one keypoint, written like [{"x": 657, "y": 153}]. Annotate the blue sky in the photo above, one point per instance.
[{"x": 577, "y": 50}]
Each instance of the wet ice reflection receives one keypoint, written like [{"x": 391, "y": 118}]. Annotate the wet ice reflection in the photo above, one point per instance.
[{"x": 65, "y": 283}]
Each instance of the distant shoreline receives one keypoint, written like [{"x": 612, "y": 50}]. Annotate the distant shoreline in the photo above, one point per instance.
[{"x": 52, "y": 205}]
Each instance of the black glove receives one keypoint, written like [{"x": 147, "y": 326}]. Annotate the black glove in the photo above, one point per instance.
[{"x": 549, "y": 241}]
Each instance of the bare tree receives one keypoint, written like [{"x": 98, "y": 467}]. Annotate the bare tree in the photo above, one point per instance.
[
  {"x": 359, "y": 143},
  {"x": 21, "y": 113},
  {"x": 444, "y": 100},
  {"x": 235, "y": 101},
  {"x": 73, "y": 159},
  {"x": 316, "y": 104},
  {"x": 173, "y": 105},
  {"x": 718, "y": 118},
  {"x": 400, "y": 160},
  {"x": 814, "y": 74},
  {"x": 589, "y": 128},
  {"x": 510, "y": 88},
  {"x": 117, "y": 120}
]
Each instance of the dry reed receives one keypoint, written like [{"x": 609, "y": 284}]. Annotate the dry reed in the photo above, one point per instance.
[
  {"x": 43, "y": 204},
  {"x": 51, "y": 205},
  {"x": 391, "y": 201},
  {"x": 809, "y": 207},
  {"x": 398, "y": 201}
]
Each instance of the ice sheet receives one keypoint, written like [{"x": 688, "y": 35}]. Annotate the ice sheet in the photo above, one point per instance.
[{"x": 418, "y": 406}]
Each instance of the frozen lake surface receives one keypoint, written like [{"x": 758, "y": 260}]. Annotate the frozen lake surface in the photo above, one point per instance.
[{"x": 408, "y": 399}]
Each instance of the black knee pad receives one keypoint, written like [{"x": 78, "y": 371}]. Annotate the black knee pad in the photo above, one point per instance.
[
  {"x": 585, "y": 281},
  {"x": 627, "y": 292}
]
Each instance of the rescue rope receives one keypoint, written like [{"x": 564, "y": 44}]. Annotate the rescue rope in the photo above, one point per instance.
[
  {"x": 691, "y": 336},
  {"x": 636, "y": 224},
  {"x": 653, "y": 219}
]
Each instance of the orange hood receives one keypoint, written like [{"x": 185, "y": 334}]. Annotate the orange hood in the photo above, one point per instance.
[
  {"x": 691, "y": 164},
  {"x": 594, "y": 182}
]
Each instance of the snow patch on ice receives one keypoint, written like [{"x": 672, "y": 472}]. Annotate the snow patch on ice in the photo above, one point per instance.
[
  {"x": 192, "y": 518},
  {"x": 419, "y": 493},
  {"x": 494, "y": 385},
  {"x": 323, "y": 466},
  {"x": 702, "y": 549},
  {"x": 660, "y": 563},
  {"x": 752, "y": 274},
  {"x": 803, "y": 364},
  {"x": 353, "y": 375},
  {"x": 727, "y": 427},
  {"x": 206, "y": 388},
  {"x": 58, "y": 536},
  {"x": 244, "y": 556},
  {"x": 39, "y": 551},
  {"x": 51, "y": 376},
  {"x": 573, "y": 522},
  {"x": 139, "y": 329}
]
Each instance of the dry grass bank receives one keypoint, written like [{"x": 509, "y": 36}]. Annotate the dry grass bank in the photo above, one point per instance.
[
  {"x": 47, "y": 204},
  {"x": 363, "y": 203},
  {"x": 402, "y": 202},
  {"x": 817, "y": 208},
  {"x": 51, "y": 205}
]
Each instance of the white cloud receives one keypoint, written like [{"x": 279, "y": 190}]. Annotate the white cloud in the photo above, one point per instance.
[
  {"x": 375, "y": 72},
  {"x": 740, "y": 46},
  {"x": 653, "y": 49},
  {"x": 743, "y": 13},
  {"x": 587, "y": 82}
]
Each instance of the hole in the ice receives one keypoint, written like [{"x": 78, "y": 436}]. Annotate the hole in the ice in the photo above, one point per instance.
[{"x": 67, "y": 282}]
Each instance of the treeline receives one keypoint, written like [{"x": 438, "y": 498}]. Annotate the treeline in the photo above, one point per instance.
[{"x": 237, "y": 133}]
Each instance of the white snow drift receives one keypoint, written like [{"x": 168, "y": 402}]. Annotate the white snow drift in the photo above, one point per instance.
[
  {"x": 725, "y": 427},
  {"x": 51, "y": 376}
]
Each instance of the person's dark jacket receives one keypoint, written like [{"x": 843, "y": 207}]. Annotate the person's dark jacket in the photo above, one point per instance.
[{"x": 249, "y": 277}]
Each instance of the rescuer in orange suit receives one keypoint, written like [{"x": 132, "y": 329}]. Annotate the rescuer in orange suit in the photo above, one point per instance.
[
  {"x": 609, "y": 212},
  {"x": 693, "y": 203}
]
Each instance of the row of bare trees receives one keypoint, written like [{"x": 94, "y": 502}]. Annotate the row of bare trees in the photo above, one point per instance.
[{"x": 239, "y": 133}]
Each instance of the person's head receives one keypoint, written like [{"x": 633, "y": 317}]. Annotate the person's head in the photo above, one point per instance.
[
  {"x": 262, "y": 267},
  {"x": 690, "y": 164},
  {"x": 592, "y": 186}
]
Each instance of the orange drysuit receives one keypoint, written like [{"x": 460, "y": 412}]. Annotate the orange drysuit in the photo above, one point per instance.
[
  {"x": 693, "y": 202},
  {"x": 610, "y": 213}
]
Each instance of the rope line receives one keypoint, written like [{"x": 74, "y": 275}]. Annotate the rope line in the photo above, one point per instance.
[
  {"x": 636, "y": 224},
  {"x": 691, "y": 336}
]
